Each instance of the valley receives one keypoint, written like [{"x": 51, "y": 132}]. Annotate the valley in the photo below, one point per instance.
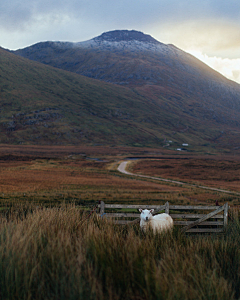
[
  {"x": 124, "y": 119},
  {"x": 50, "y": 176},
  {"x": 71, "y": 111}
]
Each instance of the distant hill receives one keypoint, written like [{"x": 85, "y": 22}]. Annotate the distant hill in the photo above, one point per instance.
[
  {"x": 44, "y": 105},
  {"x": 161, "y": 96},
  {"x": 134, "y": 59}
]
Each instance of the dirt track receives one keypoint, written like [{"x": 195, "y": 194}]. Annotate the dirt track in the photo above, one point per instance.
[{"x": 122, "y": 169}]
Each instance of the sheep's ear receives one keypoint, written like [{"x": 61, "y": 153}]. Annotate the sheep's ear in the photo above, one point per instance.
[
  {"x": 152, "y": 210},
  {"x": 140, "y": 210}
]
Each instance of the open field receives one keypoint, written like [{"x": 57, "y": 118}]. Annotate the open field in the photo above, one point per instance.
[
  {"x": 84, "y": 175},
  {"x": 49, "y": 249},
  {"x": 220, "y": 173}
]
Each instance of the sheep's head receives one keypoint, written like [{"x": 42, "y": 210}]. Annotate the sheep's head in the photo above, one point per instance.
[{"x": 146, "y": 214}]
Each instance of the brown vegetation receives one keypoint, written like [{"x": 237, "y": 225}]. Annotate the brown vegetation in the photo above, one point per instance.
[
  {"x": 50, "y": 249},
  {"x": 59, "y": 254},
  {"x": 84, "y": 175},
  {"x": 222, "y": 173}
]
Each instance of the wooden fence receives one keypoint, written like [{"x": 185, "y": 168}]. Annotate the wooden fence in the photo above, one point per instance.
[{"x": 191, "y": 218}]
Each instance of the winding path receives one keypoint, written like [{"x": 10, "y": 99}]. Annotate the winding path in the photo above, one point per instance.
[{"x": 122, "y": 169}]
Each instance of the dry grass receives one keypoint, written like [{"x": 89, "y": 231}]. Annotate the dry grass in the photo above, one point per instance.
[
  {"x": 50, "y": 175},
  {"x": 74, "y": 178},
  {"x": 56, "y": 253},
  {"x": 59, "y": 254},
  {"x": 60, "y": 151},
  {"x": 212, "y": 172}
]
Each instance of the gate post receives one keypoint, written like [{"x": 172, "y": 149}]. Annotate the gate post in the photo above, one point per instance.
[
  {"x": 167, "y": 207},
  {"x": 225, "y": 219},
  {"x": 102, "y": 206}
]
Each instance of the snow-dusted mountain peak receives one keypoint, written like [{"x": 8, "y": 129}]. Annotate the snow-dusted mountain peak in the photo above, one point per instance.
[
  {"x": 126, "y": 35},
  {"x": 131, "y": 40}
]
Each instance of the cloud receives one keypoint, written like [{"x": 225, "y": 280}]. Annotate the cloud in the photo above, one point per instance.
[
  {"x": 214, "y": 37},
  {"x": 209, "y": 26},
  {"x": 230, "y": 68},
  {"x": 186, "y": 18},
  {"x": 16, "y": 15},
  {"x": 116, "y": 12}
]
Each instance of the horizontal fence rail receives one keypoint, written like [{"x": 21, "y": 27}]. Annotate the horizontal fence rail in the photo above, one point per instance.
[{"x": 213, "y": 220}]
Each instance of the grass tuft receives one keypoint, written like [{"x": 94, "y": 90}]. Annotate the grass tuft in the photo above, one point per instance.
[{"x": 55, "y": 253}]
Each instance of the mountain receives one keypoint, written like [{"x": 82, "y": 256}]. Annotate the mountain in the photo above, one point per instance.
[
  {"x": 189, "y": 101},
  {"x": 136, "y": 60},
  {"x": 124, "y": 57},
  {"x": 146, "y": 94},
  {"x": 45, "y": 105}
]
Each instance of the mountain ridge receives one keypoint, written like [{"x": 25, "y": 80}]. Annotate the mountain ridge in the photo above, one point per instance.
[
  {"x": 137, "y": 64},
  {"x": 182, "y": 99},
  {"x": 126, "y": 35},
  {"x": 114, "y": 38}
]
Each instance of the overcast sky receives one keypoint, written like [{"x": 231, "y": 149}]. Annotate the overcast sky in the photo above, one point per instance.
[{"x": 209, "y": 29}]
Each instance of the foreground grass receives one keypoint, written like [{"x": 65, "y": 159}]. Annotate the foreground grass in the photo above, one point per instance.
[{"x": 58, "y": 253}]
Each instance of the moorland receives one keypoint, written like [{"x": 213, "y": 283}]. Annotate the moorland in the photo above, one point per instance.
[
  {"x": 51, "y": 249},
  {"x": 85, "y": 175}
]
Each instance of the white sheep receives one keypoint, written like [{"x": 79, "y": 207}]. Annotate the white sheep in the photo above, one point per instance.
[{"x": 160, "y": 222}]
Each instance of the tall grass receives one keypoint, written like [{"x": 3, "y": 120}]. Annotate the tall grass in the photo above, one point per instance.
[{"x": 60, "y": 254}]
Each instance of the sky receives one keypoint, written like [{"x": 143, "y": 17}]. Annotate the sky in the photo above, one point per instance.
[{"x": 208, "y": 29}]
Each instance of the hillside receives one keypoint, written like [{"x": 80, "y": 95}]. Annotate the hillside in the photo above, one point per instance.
[
  {"x": 186, "y": 94},
  {"x": 45, "y": 105},
  {"x": 133, "y": 59}
]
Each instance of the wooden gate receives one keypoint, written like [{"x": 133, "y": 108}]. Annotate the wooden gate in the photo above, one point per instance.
[{"x": 190, "y": 218}]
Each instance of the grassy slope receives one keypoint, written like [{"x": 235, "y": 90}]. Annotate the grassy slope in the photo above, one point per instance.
[
  {"x": 178, "y": 76},
  {"x": 43, "y": 105},
  {"x": 58, "y": 106}
]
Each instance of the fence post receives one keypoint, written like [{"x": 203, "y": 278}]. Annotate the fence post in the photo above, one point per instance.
[
  {"x": 102, "y": 206},
  {"x": 167, "y": 207},
  {"x": 225, "y": 220}
]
